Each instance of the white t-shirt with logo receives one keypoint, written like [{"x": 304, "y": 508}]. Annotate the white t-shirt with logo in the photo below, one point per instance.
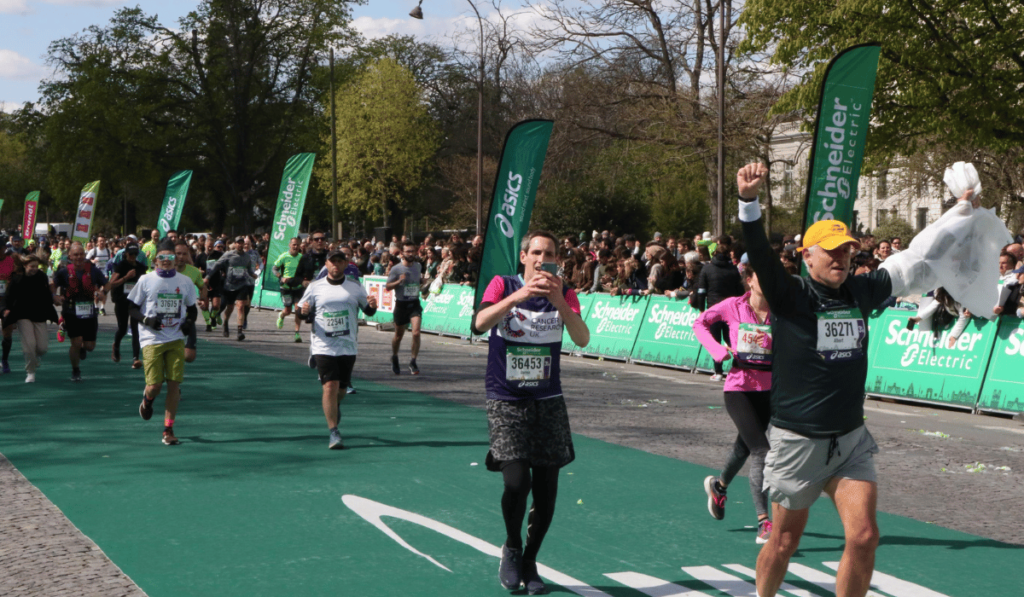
[
  {"x": 336, "y": 327},
  {"x": 102, "y": 256},
  {"x": 166, "y": 298}
]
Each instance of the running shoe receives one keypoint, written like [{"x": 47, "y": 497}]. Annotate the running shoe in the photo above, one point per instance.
[
  {"x": 716, "y": 497},
  {"x": 30, "y": 378},
  {"x": 350, "y": 390},
  {"x": 60, "y": 330},
  {"x": 280, "y": 322},
  {"x": 225, "y": 332},
  {"x": 534, "y": 585},
  {"x": 509, "y": 571},
  {"x": 395, "y": 366},
  {"x": 764, "y": 531},
  {"x": 209, "y": 328},
  {"x": 146, "y": 409},
  {"x": 103, "y": 312},
  {"x": 136, "y": 364},
  {"x": 241, "y": 336},
  {"x": 115, "y": 353},
  {"x": 6, "y": 368},
  {"x": 169, "y": 439},
  {"x": 298, "y": 338},
  {"x": 335, "y": 442},
  {"x": 718, "y": 377},
  {"x": 76, "y": 375},
  {"x": 413, "y": 368}
]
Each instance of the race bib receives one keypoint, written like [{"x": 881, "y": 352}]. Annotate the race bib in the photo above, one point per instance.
[
  {"x": 168, "y": 305},
  {"x": 411, "y": 291},
  {"x": 128, "y": 286},
  {"x": 748, "y": 349},
  {"x": 85, "y": 310},
  {"x": 336, "y": 324},
  {"x": 3, "y": 287},
  {"x": 841, "y": 334},
  {"x": 286, "y": 299},
  {"x": 238, "y": 272},
  {"x": 528, "y": 363}
]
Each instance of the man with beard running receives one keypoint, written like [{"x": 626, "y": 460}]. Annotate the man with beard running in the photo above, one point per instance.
[
  {"x": 162, "y": 301},
  {"x": 404, "y": 280},
  {"x": 79, "y": 286},
  {"x": 331, "y": 305}
]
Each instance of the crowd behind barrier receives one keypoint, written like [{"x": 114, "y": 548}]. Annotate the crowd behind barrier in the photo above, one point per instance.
[{"x": 638, "y": 301}]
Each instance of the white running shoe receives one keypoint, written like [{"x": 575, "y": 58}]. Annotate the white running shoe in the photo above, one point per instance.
[
  {"x": 717, "y": 377},
  {"x": 30, "y": 378}
]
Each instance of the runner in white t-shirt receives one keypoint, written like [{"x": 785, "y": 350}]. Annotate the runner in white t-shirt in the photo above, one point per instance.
[
  {"x": 99, "y": 256},
  {"x": 162, "y": 301},
  {"x": 330, "y": 305}
]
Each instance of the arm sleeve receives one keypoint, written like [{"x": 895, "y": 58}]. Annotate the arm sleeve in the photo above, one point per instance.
[
  {"x": 573, "y": 301},
  {"x": 928, "y": 310},
  {"x": 597, "y": 279},
  {"x": 776, "y": 284},
  {"x": 135, "y": 311},
  {"x": 495, "y": 292},
  {"x": 702, "y": 329}
]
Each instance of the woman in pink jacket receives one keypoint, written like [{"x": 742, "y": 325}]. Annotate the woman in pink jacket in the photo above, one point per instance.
[{"x": 746, "y": 392}]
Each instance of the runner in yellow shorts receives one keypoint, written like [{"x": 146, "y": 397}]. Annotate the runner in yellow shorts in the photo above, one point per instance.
[{"x": 162, "y": 301}]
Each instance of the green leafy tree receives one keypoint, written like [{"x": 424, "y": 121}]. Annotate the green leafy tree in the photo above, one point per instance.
[
  {"x": 386, "y": 141},
  {"x": 950, "y": 71}
]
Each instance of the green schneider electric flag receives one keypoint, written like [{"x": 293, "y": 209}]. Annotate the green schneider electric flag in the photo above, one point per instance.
[
  {"x": 174, "y": 202},
  {"x": 839, "y": 134},
  {"x": 515, "y": 189},
  {"x": 290, "y": 201}
]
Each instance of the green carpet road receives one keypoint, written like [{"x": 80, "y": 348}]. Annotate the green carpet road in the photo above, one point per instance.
[{"x": 253, "y": 503}]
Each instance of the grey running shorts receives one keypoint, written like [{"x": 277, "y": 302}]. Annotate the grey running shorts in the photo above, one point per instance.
[{"x": 797, "y": 467}]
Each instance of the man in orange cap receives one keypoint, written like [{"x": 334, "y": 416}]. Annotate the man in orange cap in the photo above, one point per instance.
[{"x": 818, "y": 440}]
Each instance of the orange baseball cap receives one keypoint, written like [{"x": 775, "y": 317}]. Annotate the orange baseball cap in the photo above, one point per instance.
[{"x": 828, "y": 234}]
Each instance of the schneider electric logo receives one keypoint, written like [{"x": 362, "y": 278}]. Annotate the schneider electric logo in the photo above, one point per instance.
[
  {"x": 839, "y": 146},
  {"x": 674, "y": 325},
  {"x": 925, "y": 350}
]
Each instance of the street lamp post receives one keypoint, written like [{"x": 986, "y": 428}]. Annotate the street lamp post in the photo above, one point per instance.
[
  {"x": 334, "y": 160},
  {"x": 720, "y": 219},
  {"x": 417, "y": 13}
]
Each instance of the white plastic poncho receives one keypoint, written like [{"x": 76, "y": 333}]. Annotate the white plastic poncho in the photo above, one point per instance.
[{"x": 959, "y": 252}]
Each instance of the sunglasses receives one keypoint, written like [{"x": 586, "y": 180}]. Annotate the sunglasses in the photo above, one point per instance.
[
  {"x": 165, "y": 257},
  {"x": 318, "y": 238}
]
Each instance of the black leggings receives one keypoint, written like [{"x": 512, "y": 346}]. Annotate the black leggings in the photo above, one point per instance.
[
  {"x": 123, "y": 319},
  {"x": 750, "y": 411},
  {"x": 513, "y": 504},
  {"x": 719, "y": 331}
]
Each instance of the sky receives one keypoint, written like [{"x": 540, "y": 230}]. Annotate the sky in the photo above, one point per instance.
[{"x": 28, "y": 26}]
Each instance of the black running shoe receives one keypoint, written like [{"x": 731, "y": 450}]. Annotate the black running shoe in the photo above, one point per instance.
[
  {"x": 76, "y": 375},
  {"x": 716, "y": 497},
  {"x": 241, "y": 336},
  {"x": 115, "y": 353},
  {"x": 224, "y": 332},
  {"x": 395, "y": 366},
  {"x": 509, "y": 571},
  {"x": 413, "y": 368},
  {"x": 534, "y": 585},
  {"x": 146, "y": 409}
]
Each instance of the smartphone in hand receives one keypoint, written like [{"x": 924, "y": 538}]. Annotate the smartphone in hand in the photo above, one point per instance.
[{"x": 551, "y": 268}]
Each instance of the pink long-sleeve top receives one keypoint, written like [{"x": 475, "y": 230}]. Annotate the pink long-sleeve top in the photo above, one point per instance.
[{"x": 734, "y": 311}]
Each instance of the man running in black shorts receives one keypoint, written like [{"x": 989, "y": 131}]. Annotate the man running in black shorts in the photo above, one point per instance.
[
  {"x": 817, "y": 440},
  {"x": 80, "y": 285},
  {"x": 286, "y": 268},
  {"x": 529, "y": 426},
  {"x": 239, "y": 272},
  {"x": 331, "y": 305},
  {"x": 404, "y": 280}
]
